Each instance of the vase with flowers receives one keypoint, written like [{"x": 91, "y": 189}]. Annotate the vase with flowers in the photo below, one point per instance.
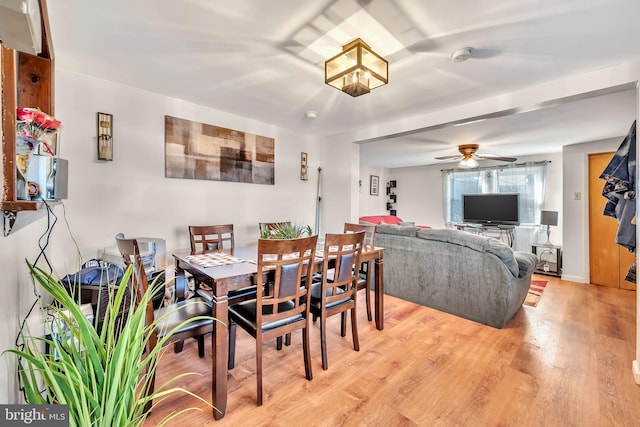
[{"x": 34, "y": 128}]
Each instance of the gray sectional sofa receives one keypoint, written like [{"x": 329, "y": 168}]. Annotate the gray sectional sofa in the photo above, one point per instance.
[{"x": 476, "y": 277}]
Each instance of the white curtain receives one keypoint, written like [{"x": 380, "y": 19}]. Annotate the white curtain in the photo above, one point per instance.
[{"x": 526, "y": 179}]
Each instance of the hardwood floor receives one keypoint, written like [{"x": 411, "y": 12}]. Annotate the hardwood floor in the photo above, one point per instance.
[{"x": 566, "y": 362}]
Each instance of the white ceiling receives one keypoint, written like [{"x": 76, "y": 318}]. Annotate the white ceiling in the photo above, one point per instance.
[{"x": 260, "y": 59}]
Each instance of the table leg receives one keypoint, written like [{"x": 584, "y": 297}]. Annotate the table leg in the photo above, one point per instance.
[
  {"x": 379, "y": 292},
  {"x": 220, "y": 351}
]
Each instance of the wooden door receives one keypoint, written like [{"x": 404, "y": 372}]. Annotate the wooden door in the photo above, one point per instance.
[{"x": 608, "y": 261}]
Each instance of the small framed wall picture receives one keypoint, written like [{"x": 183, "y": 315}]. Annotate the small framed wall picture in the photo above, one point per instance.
[
  {"x": 105, "y": 136},
  {"x": 374, "y": 185},
  {"x": 304, "y": 171}
]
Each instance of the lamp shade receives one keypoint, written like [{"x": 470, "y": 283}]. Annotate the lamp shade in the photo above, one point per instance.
[
  {"x": 356, "y": 70},
  {"x": 549, "y": 218}
]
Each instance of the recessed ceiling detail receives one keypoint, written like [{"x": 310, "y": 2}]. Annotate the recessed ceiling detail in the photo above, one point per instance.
[{"x": 388, "y": 29}]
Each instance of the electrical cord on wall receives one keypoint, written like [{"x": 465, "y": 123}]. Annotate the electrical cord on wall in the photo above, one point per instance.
[
  {"x": 64, "y": 216},
  {"x": 43, "y": 243}
]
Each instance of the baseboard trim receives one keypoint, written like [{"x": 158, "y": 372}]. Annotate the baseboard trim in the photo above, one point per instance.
[
  {"x": 636, "y": 371},
  {"x": 574, "y": 278}
]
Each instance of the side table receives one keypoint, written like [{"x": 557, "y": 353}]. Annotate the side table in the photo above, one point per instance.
[{"x": 549, "y": 259}]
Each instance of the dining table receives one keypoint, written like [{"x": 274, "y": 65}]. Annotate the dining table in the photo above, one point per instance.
[{"x": 234, "y": 269}]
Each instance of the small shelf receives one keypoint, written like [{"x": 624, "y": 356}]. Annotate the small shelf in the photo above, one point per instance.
[
  {"x": 20, "y": 205},
  {"x": 505, "y": 233},
  {"x": 17, "y": 214},
  {"x": 391, "y": 197}
]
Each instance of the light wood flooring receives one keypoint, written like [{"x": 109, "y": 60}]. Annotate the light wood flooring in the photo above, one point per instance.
[{"x": 566, "y": 362}]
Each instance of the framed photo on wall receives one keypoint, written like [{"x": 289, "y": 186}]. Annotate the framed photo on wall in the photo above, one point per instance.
[{"x": 374, "y": 185}]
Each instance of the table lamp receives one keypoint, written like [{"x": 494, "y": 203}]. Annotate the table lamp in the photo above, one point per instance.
[{"x": 548, "y": 218}]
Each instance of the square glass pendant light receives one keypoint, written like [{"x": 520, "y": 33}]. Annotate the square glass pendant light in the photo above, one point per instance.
[{"x": 356, "y": 70}]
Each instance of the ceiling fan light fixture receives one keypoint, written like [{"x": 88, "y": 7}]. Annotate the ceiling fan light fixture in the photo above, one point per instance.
[
  {"x": 469, "y": 156},
  {"x": 357, "y": 69},
  {"x": 469, "y": 163}
]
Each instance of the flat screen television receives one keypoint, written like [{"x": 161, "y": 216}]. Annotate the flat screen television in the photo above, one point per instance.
[{"x": 491, "y": 208}]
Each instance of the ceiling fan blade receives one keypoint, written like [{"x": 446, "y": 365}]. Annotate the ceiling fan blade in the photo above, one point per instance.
[
  {"x": 492, "y": 157},
  {"x": 485, "y": 53},
  {"x": 454, "y": 157}
]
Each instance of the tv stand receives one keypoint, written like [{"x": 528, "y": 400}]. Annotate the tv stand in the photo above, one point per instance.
[{"x": 506, "y": 233}]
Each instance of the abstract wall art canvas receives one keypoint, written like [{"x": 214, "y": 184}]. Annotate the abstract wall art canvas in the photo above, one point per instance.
[{"x": 201, "y": 151}]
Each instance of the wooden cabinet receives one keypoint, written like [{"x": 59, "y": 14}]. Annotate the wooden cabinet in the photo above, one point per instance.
[{"x": 26, "y": 81}]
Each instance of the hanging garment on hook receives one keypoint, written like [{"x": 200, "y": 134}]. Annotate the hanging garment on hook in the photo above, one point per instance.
[{"x": 620, "y": 190}]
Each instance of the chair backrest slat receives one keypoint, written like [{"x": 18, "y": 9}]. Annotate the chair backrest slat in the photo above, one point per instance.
[
  {"x": 211, "y": 238},
  {"x": 369, "y": 231}
]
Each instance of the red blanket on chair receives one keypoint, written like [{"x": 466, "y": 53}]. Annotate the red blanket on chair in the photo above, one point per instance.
[{"x": 386, "y": 219}]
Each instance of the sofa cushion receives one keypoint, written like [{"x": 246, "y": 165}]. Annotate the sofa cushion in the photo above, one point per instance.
[
  {"x": 397, "y": 230},
  {"x": 475, "y": 242},
  {"x": 526, "y": 262}
]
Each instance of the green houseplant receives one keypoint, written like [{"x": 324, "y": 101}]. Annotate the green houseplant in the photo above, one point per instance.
[
  {"x": 101, "y": 378},
  {"x": 287, "y": 231}
]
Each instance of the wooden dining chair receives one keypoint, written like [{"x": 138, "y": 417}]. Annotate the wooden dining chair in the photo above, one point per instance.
[
  {"x": 167, "y": 317},
  {"x": 336, "y": 292},
  {"x": 209, "y": 238},
  {"x": 366, "y": 268},
  {"x": 214, "y": 238},
  {"x": 287, "y": 265}
]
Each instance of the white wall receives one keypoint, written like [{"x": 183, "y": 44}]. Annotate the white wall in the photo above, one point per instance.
[
  {"x": 131, "y": 194},
  {"x": 338, "y": 184},
  {"x": 18, "y": 296},
  {"x": 419, "y": 194},
  {"x": 368, "y": 204}
]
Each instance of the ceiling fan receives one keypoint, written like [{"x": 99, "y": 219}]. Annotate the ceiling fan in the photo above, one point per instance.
[{"x": 468, "y": 156}]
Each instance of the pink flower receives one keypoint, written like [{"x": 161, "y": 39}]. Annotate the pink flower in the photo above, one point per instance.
[
  {"x": 50, "y": 123},
  {"x": 39, "y": 116},
  {"x": 25, "y": 114},
  {"x": 37, "y": 125}
]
